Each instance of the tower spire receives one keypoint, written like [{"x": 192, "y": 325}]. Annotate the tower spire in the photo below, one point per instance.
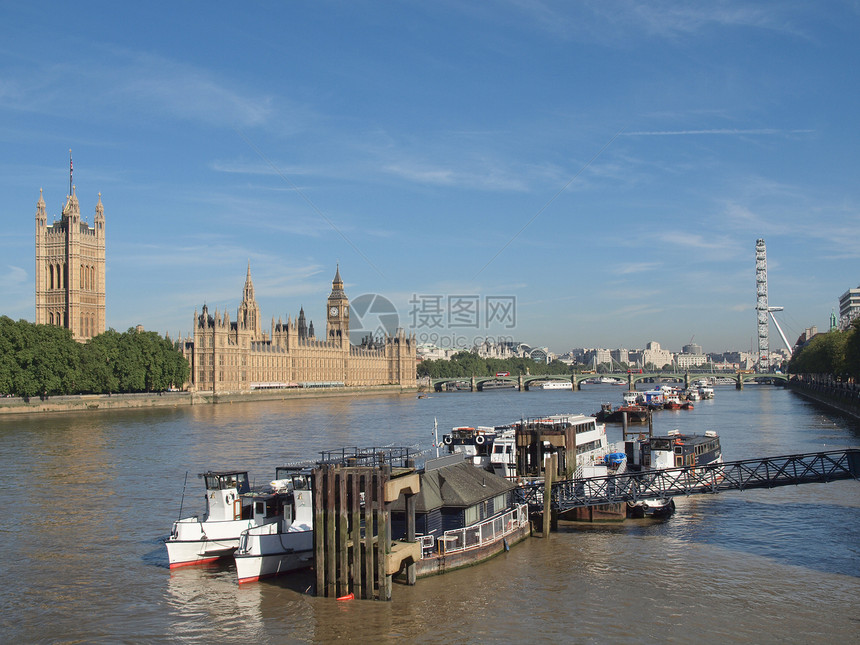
[{"x": 70, "y": 171}]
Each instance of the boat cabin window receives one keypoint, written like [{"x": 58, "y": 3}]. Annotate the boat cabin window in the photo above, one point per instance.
[
  {"x": 238, "y": 481},
  {"x": 267, "y": 507},
  {"x": 300, "y": 482},
  {"x": 661, "y": 443}
]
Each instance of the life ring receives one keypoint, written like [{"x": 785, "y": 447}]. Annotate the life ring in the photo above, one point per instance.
[
  {"x": 480, "y": 440},
  {"x": 447, "y": 439}
]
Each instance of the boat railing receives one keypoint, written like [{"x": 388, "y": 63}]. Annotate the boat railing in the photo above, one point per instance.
[
  {"x": 428, "y": 545},
  {"x": 394, "y": 456},
  {"x": 486, "y": 532}
]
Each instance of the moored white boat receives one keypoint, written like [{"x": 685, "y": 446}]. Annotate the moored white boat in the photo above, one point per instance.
[
  {"x": 473, "y": 443},
  {"x": 287, "y": 544},
  {"x": 231, "y": 507}
]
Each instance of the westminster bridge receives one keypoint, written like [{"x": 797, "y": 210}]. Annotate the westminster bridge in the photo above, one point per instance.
[{"x": 522, "y": 381}]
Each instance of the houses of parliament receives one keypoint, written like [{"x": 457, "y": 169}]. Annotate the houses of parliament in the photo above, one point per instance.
[
  {"x": 236, "y": 355},
  {"x": 225, "y": 355}
]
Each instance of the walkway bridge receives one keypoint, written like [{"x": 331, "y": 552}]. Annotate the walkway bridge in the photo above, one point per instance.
[{"x": 634, "y": 486}]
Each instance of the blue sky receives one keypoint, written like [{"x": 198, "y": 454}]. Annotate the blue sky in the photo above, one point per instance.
[{"x": 610, "y": 165}]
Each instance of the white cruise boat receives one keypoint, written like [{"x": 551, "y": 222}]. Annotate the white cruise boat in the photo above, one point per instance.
[
  {"x": 231, "y": 507},
  {"x": 287, "y": 544},
  {"x": 496, "y": 448},
  {"x": 556, "y": 385}
]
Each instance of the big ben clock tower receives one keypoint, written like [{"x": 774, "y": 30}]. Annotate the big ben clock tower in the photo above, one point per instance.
[{"x": 337, "y": 315}]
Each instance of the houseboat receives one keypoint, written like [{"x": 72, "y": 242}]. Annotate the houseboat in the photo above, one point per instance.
[
  {"x": 231, "y": 507},
  {"x": 463, "y": 515},
  {"x": 675, "y": 450}
]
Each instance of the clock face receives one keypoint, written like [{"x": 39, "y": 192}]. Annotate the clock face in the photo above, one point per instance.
[{"x": 333, "y": 311}]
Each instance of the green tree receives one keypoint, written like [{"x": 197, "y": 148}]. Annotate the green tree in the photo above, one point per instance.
[
  {"x": 852, "y": 351},
  {"x": 823, "y": 354},
  {"x": 100, "y": 362},
  {"x": 48, "y": 360}
]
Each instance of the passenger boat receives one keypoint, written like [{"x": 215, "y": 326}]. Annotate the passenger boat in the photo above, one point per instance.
[
  {"x": 516, "y": 449},
  {"x": 556, "y": 385},
  {"x": 287, "y": 544},
  {"x": 231, "y": 507}
]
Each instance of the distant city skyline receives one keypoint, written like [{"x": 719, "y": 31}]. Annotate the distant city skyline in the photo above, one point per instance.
[{"x": 607, "y": 167}]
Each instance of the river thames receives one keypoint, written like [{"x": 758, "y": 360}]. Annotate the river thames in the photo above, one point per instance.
[{"x": 89, "y": 497}]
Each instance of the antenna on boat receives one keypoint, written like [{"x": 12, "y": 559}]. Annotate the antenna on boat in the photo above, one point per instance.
[
  {"x": 436, "y": 436},
  {"x": 182, "y": 499}
]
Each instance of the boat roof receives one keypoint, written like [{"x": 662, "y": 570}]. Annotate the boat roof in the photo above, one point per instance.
[
  {"x": 457, "y": 486},
  {"x": 688, "y": 438},
  {"x": 221, "y": 473}
]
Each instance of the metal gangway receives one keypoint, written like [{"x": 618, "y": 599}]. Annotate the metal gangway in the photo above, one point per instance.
[{"x": 634, "y": 486}]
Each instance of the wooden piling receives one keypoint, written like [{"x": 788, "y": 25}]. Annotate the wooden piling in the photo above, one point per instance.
[
  {"x": 354, "y": 552},
  {"x": 330, "y": 562},
  {"x": 368, "y": 549},
  {"x": 382, "y": 549},
  {"x": 548, "y": 472},
  {"x": 319, "y": 529},
  {"x": 342, "y": 546},
  {"x": 355, "y": 537}
]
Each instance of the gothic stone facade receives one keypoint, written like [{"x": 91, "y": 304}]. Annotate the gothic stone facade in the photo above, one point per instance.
[
  {"x": 236, "y": 356},
  {"x": 70, "y": 269}
]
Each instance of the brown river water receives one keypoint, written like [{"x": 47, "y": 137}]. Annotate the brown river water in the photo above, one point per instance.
[{"x": 89, "y": 497}]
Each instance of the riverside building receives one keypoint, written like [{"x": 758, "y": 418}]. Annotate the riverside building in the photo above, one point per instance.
[{"x": 237, "y": 356}]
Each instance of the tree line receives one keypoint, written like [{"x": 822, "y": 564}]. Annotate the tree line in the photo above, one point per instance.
[
  {"x": 44, "y": 360},
  {"x": 468, "y": 364},
  {"x": 835, "y": 353}
]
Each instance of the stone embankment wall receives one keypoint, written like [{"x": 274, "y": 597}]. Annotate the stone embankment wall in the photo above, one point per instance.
[
  {"x": 841, "y": 396},
  {"x": 96, "y": 402}
]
